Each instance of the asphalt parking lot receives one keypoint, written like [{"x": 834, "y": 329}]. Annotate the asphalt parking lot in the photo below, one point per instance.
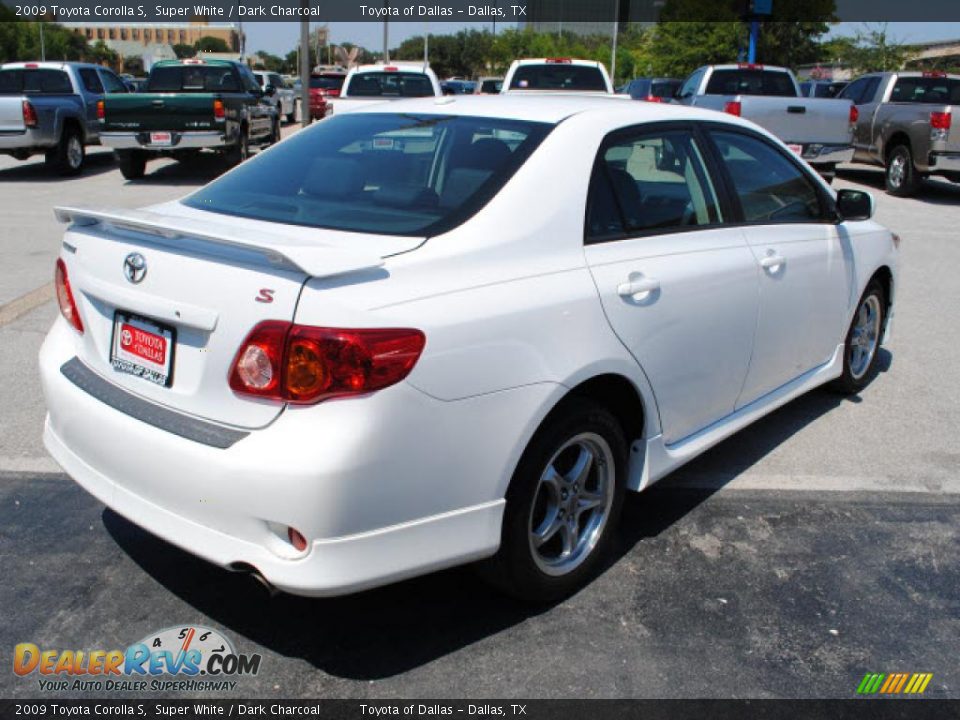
[{"x": 818, "y": 545}]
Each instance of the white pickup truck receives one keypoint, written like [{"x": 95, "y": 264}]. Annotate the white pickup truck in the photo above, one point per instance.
[
  {"x": 384, "y": 82},
  {"x": 553, "y": 75},
  {"x": 820, "y": 130},
  {"x": 275, "y": 90}
]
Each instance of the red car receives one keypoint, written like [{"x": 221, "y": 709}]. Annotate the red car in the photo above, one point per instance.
[{"x": 322, "y": 86}]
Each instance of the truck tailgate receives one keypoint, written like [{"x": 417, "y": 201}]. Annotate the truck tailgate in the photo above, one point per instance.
[
  {"x": 11, "y": 113},
  {"x": 801, "y": 120},
  {"x": 160, "y": 111}
]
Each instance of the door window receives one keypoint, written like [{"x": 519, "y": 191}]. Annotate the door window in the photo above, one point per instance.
[
  {"x": 771, "y": 188},
  {"x": 655, "y": 182},
  {"x": 691, "y": 84},
  {"x": 112, "y": 83},
  {"x": 91, "y": 81}
]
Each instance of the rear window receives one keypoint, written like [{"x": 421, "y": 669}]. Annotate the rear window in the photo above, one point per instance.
[
  {"x": 16, "y": 81},
  {"x": 387, "y": 84},
  {"x": 926, "y": 90},
  {"x": 491, "y": 87},
  {"x": 381, "y": 173},
  {"x": 750, "y": 82},
  {"x": 665, "y": 89},
  {"x": 193, "y": 78},
  {"x": 558, "y": 76},
  {"x": 326, "y": 82}
]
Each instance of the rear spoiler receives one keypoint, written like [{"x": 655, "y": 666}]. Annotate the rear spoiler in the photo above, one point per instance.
[{"x": 311, "y": 257}]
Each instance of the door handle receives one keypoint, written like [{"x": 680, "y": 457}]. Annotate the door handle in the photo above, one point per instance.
[
  {"x": 637, "y": 289},
  {"x": 772, "y": 262}
]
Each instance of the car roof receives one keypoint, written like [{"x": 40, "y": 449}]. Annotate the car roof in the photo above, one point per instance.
[
  {"x": 548, "y": 109},
  {"x": 557, "y": 61}
]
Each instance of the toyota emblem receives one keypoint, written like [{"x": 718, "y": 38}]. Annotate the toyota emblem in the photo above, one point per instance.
[{"x": 135, "y": 267}]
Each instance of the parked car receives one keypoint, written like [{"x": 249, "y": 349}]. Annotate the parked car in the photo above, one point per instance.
[
  {"x": 276, "y": 90},
  {"x": 819, "y": 130},
  {"x": 381, "y": 348},
  {"x": 488, "y": 86},
  {"x": 457, "y": 87},
  {"x": 379, "y": 83},
  {"x": 51, "y": 108},
  {"x": 324, "y": 85},
  {"x": 552, "y": 75},
  {"x": 189, "y": 106},
  {"x": 652, "y": 89},
  {"x": 821, "y": 88},
  {"x": 905, "y": 124}
]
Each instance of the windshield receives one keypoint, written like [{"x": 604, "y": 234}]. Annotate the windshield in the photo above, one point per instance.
[
  {"x": 193, "y": 78},
  {"x": 16, "y": 81},
  {"x": 558, "y": 76},
  {"x": 396, "y": 84},
  {"x": 751, "y": 82},
  {"x": 380, "y": 173}
]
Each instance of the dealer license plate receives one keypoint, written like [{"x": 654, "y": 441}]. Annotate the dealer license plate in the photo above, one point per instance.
[
  {"x": 142, "y": 347},
  {"x": 796, "y": 149},
  {"x": 161, "y": 138}
]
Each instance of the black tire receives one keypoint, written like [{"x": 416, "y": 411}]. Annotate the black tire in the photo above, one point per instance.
[
  {"x": 855, "y": 376},
  {"x": 517, "y": 568},
  {"x": 240, "y": 150},
  {"x": 292, "y": 116},
  {"x": 69, "y": 156},
  {"x": 275, "y": 132},
  {"x": 133, "y": 163},
  {"x": 901, "y": 175}
]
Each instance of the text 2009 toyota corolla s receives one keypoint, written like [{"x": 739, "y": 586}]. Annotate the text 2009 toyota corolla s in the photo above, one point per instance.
[{"x": 406, "y": 339}]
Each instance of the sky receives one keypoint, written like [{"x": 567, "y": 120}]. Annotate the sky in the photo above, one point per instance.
[{"x": 281, "y": 37}]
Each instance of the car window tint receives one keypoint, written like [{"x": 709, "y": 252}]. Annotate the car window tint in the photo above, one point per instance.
[
  {"x": 384, "y": 173},
  {"x": 657, "y": 181},
  {"x": 926, "y": 90},
  {"x": 750, "y": 82},
  {"x": 192, "y": 78},
  {"x": 691, "y": 84},
  {"x": 19, "y": 81},
  {"x": 771, "y": 188},
  {"x": 390, "y": 84},
  {"x": 91, "y": 81},
  {"x": 558, "y": 76},
  {"x": 112, "y": 83}
]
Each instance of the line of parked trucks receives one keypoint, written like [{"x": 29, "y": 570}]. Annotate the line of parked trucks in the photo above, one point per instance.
[{"x": 901, "y": 121}]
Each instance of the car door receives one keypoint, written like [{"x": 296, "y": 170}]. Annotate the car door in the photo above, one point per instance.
[
  {"x": 788, "y": 222},
  {"x": 257, "y": 108},
  {"x": 678, "y": 287},
  {"x": 863, "y": 93}
]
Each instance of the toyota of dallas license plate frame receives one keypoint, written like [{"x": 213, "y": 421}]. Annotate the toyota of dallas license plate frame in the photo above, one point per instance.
[{"x": 143, "y": 347}]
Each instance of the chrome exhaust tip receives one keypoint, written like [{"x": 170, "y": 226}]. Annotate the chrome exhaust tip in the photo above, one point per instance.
[{"x": 248, "y": 569}]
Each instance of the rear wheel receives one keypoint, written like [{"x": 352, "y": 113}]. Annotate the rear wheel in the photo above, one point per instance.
[
  {"x": 563, "y": 504},
  {"x": 69, "y": 155},
  {"x": 861, "y": 349},
  {"x": 902, "y": 179},
  {"x": 240, "y": 151},
  {"x": 133, "y": 163}
]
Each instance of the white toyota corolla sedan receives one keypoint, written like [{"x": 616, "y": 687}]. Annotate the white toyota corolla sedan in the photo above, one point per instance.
[{"x": 450, "y": 330}]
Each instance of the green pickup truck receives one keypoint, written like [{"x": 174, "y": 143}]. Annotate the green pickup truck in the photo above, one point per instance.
[{"x": 188, "y": 106}]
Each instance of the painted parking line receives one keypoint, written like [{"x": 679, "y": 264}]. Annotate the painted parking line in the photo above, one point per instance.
[{"x": 25, "y": 303}]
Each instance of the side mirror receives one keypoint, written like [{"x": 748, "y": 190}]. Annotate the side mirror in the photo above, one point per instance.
[{"x": 854, "y": 205}]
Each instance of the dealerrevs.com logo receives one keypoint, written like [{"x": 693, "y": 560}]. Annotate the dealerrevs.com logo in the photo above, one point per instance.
[{"x": 187, "y": 658}]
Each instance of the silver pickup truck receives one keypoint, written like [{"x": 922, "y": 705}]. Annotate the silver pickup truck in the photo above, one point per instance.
[
  {"x": 51, "y": 108},
  {"x": 276, "y": 90},
  {"x": 820, "y": 130},
  {"x": 905, "y": 125}
]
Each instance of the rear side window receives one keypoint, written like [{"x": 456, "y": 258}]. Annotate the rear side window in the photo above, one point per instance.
[
  {"x": 390, "y": 84},
  {"x": 112, "y": 83},
  {"x": 40, "y": 81},
  {"x": 648, "y": 183},
  {"x": 491, "y": 87},
  {"x": 381, "y": 173},
  {"x": 558, "y": 76},
  {"x": 770, "y": 187},
  {"x": 91, "y": 81},
  {"x": 926, "y": 90},
  {"x": 193, "y": 78},
  {"x": 750, "y": 82}
]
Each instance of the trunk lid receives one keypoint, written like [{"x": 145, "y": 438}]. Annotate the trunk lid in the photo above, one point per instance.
[
  {"x": 208, "y": 279},
  {"x": 800, "y": 120},
  {"x": 160, "y": 111},
  {"x": 11, "y": 113}
]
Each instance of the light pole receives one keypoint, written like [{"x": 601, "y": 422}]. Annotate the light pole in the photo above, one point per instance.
[
  {"x": 613, "y": 51},
  {"x": 305, "y": 65},
  {"x": 43, "y": 45}
]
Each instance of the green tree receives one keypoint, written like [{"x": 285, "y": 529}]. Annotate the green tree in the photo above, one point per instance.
[
  {"x": 101, "y": 54},
  {"x": 874, "y": 50},
  {"x": 182, "y": 50},
  {"x": 271, "y": 62},
  {"x": 211, "y": 44}
]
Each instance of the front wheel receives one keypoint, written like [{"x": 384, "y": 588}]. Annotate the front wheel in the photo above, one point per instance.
[
  {"x": 902, "y": 179},
  {"x": 862, "y": 346},
  {"x": 563, "y": 504}
]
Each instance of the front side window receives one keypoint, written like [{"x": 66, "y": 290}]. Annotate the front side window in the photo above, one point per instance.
[
  {"x": 91, "y": 81},
  {"x": 383, "y": 173},
  {"x": 390, "y": 84},
  {"x": 112, "y": 83},
  {"x": 691, "y": 84},
  {"x": 771, "y": 188},
  {"x": 653, "y": 182}
]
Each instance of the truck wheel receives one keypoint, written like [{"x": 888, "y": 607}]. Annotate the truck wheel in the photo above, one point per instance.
[
  {"x": 240, "y": 150},
  {"x": 132, "y": 163},
  {"x": 275, "y": 132},
  {"x": 902, "y": 178},
  {"x": 69, "y": 155},
  {"x": 279, "y": 110},
  {"x": 292, "y": 115}
]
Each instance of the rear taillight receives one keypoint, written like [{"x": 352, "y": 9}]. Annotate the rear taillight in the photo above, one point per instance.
[
  {"x": 653, "y": 98},
  {"x": 733, "y": 108},
  {"x": 304, "y": 364},
  {"x": 101, "y": 111},
  {"x": 219, "y": 113},
  {"x": 29, "y": 115},
  {"x": 854, "y": 114},
  {"x": 68, "y": 308},
  {"x": 940, "y": 120}
]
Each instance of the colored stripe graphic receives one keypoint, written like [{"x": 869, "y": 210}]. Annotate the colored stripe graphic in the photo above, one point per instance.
[{"x": 894, "y": 683}]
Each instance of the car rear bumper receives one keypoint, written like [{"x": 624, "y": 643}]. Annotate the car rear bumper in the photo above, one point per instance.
[
  {"x": 214, "y": 139},
  {"x": 384, "y": 487},
  {"x": 945, "y": 162},
  {"x": 24, "y": 140},
  {"x": 816, "y": 154}
]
